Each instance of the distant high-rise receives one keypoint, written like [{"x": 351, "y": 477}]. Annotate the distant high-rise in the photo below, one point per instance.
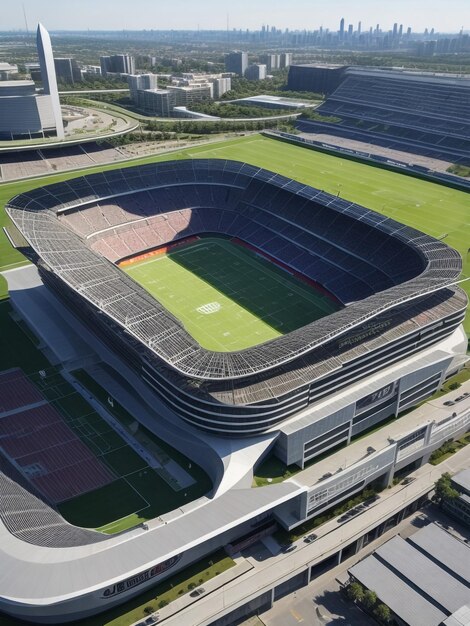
[
  {"x": 341, "y": 28},
  {"x": 67, "y": 71},
  {"x": 236, "y": 62},
  {"x": 48, "y": 76},
  {"x": 257, "y": 71},
  {"x": 286, "y": 59},
  {"x": 137, "y": 82},
  {"x": 117, "y": 64}
]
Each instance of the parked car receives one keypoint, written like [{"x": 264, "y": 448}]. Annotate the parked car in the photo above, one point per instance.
[
  {"x": 460, "y": 398},
  {"x": 289, "y": 548},
  {"x": 310, "y": 538},
  {"x": 197, "y": 592},
  {"x": 449, "y": 403}
]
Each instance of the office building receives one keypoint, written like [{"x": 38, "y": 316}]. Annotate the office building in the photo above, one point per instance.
[
  {"x": 117, "y": 64},
  {"x": 221, "y": 86},
  {"x": 272, "y": 61},
  {"x": 187, "y": 94},
  {"x": 286, "y": 59},
  {"x": 67, "y": 71},
  {"x": 236, "y": 62},
  {"x": 257, "y": 71},
  {"x": 157, "y": 102},
  {"x": 459, "y": 507},
  {"x": 137, "y": 82}
]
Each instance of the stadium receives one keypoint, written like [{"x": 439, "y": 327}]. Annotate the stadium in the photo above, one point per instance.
[{"x": 254, "y": 309}]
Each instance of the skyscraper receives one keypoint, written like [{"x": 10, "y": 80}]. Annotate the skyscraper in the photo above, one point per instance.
[
  {"x": 48, "y": 76},
  {"x": 67, "y": 71},
  {"x": 117, "y": 64},
  {"x": 341, "y": 28},
  {"x": 236, "y": 62}
]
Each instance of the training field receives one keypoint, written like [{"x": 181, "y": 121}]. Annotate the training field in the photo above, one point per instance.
[
  {"x": 228, "y": 297},
  {"x": 138, "y": 492},
  {"x": 435, "y": 209}
]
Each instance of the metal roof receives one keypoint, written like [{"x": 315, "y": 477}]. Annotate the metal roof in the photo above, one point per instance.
[
  {"x": 462, "y": 480},
  {"x": 404, "y": 601},
  {"x": 424, "y": 574},
  {"x": 444, "y": 548},
  {"x": 422, "y": 579}
]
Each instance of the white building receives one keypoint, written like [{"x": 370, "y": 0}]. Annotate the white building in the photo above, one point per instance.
[{"x": 25, "y": 112}]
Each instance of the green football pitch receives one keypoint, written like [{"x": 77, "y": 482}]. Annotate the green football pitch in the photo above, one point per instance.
[{"x": 228, "y": 297}]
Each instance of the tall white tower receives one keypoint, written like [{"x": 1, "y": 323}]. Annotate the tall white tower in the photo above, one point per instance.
[{"x": 49, "y": 80}]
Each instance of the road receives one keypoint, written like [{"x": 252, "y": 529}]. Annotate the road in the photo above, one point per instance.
[
  {"x": 321, "y": 603},
  {"x": 274, "y": 569}
]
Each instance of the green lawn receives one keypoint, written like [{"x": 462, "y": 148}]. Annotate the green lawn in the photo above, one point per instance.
[
  {"x": 228, "y": 297},
  {"x": 435, "y": 209}
]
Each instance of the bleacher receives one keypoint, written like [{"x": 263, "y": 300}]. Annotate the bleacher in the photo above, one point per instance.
[
  {"x": 30, "y": 519},
  {"x": 347, "y": 258},
  {"x": 429, "y": 115},
  {"x": 362, "y": 257}
]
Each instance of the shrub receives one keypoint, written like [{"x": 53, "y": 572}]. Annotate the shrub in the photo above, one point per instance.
[
  {"x": 370, "y": 599},
  {"x": 162, "y": 603},
  {"x": 383, "y": 613},
  {"x": 355, "y": 592},
  {"x": 149, "y": 609}
]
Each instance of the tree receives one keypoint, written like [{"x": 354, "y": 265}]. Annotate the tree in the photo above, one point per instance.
[
  {"x": 454, "y": 386},
  {"x": 383, "y": 613},
  {"x": 149, "y": 609},
  {"x": 370, "y": 599},
  {"x": 443, "y": 489},
  {"x": 355, "y": 592}
]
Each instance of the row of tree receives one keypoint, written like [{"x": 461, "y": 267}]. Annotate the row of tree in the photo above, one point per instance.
[{"x": 368, "y": 600}]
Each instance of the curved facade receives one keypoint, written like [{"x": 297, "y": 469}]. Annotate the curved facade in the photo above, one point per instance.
[{"x": 397, "y": 285}]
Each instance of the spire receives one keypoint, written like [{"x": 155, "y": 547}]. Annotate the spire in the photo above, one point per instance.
[{"x": 48, "y": 76}]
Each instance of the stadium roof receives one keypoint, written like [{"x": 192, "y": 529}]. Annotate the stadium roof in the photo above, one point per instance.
[{"x": 119, "y": 297}]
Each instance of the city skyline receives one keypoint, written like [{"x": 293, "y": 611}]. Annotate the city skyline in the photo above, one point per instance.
[{"x": 449, "y": 17}]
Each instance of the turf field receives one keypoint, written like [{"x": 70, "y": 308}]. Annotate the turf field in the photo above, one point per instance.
[
  {"x": 435, "y": 209},
  {"x": 139, "y": 492},
  {"x": 228, "y": 297}
]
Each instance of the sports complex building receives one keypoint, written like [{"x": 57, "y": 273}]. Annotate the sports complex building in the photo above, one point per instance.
[{"x": 373, "y": 328}]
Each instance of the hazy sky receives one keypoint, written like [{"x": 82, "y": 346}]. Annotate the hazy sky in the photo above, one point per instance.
[{"x": 443, "y": 15}]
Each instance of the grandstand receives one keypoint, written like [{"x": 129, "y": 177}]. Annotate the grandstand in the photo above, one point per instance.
[
  {"x": 26, "y": 163},
  {"x": 417, "y": 113},
  {"x": 35, "y": 439},
  {"x": 396, "y": 284}
]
